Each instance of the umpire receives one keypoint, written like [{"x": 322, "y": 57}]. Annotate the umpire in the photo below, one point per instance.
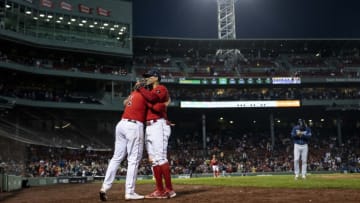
[{"x": 300, "y": 134}]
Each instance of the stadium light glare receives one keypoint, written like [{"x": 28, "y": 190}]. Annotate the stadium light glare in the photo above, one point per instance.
[
  {"x": 50, "y": 16},
  {"x": 106, "y": 24},
  {"x": 83, "y": 21},
  {"x": 58, "y": 21},
  {"x": 35, "y": 18},
  {"x": 322, "y": 120},
  {"x": 80, "y": 24},
  {"x": 69, "y": 23},
  {"x": 91, "y": 26},
  {"x": 112, "y": 28},
  {"x": 102, "y": 27},
  {"x": 61, "y": 18},
  {"x": 118, "y": 38},
  {"x": 116, "y": 26},
  {"x": 231, "y": 122},
  {"x": 42, "y": 15},
  {"x": 73, "y": 19},
  {"x": 8, "y": 6},
  {"x": 47, "y": 20},
  {"x": 28, "y": 12},
  {"x": 120, "y": 33},
  {"x": 95, "y": 23}
]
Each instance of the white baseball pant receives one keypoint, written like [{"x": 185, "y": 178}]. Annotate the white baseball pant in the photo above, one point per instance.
[
  {"x": 303, "y": 151},
  {"x": 129, "y": 139},
  {"x": 156, "y": 141}
]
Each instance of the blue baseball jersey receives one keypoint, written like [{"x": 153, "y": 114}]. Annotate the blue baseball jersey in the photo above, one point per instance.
[{"x": 304, "y": 139}]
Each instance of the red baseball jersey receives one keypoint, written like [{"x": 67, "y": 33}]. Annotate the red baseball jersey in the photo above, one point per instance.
[
  {"x": 135, "y": 108},
  {"x": 156, "y": 97},
  {"x": 213, "y": 162}
]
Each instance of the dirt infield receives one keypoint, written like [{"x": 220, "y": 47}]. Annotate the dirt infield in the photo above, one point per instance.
[{"x": 186, "y": 193}]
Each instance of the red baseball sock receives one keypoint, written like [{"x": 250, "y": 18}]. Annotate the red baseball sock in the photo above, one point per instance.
[
  {"x": 158, "y": 178},
  {"x": 165, "y": 168}
]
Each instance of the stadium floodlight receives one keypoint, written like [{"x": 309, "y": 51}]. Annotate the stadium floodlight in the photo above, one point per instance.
[
  {"x": 61, "y": 18},
  {"x": 83, "y": 21},
  {"x": 35, "y": 18},
  {"x": 80, "y": 24},
  {"x": 95, "y": 23},
  {"x": 28, "y": 12},
  {"x": 116, "y": 26},
  {"x": 102, "y": 27},
  {"x": 42, "y": 15},
  {"x": 58, "y": 21},
  {"x": 69, "y": 23},
  {"x": 112, "y": 29},
  {"x": 91, "y": 26},
  {"x": 106, "y": 24},
  {"x": 7, "y": 6},
  {"x": 120, "y": 33},
  {"x": 73, "y": 19},
  {"x": 227, "y": 30},
  {"x": 50, "y": 16}
]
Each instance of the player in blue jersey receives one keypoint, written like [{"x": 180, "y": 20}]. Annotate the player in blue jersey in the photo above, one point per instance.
[{"x": 300, "y": 134}]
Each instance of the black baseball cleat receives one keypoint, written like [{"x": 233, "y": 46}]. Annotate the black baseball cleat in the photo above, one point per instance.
[{"x": 102, "y": 196}]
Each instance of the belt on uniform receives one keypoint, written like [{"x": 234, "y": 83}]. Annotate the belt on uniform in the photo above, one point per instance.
[
  {"x": 132, "y": 121},
  {"x": 150, "y": 122}
]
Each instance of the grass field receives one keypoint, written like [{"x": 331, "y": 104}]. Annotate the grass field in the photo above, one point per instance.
[{"x": 339, "y": 181}]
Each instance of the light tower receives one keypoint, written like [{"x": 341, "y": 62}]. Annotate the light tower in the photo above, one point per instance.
[{"x": 227, "y": 29}]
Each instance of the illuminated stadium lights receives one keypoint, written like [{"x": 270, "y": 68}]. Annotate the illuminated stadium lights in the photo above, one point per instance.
[
  {"x": 83, "y": 21},
  {"x": 69, "y": 23},
  {"x": 35, "y": 18},
  {"x": 42, "y": 15},
  {"x": 221, "y": 118},
  {"x": 47, "y": 20},
  {"x": 95, "y": 23},
  {"x": 61, "y": 18},
  {"x": 116, "y": 26},
  {"x": 120, "y": 33},
  {"x": 118, "y": 38},
  {"x": 278, "y": 121},
  {"x": 106, "y": 24},
  {"x": 322, "y": 120},
  {"x": 112, "y": 28},
  {"x": 50, "y": 16},
  {"x": 80, "y": 24},
  {"x": 231, "y": 122},
  {"x": 91, "y": 26},
  {"x": 8, "y": 6},
  {"x": 28, "y": 12},
  {"x": 73, "y": 19},
  {"x": 102, "y": 27},
  {"x": 58, "y": 21}
]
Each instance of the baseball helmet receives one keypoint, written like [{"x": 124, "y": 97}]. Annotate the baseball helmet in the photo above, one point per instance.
[{"x": 153, "y": 72}]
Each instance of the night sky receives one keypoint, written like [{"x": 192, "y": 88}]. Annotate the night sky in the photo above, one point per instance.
[{"x": 254, "y": 18}]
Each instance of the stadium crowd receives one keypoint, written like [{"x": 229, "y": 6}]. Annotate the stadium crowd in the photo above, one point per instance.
[{"x": 247, "y": 153}]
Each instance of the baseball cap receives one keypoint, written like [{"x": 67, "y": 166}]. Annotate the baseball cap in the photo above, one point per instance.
[{"x": 152, "y": 72}]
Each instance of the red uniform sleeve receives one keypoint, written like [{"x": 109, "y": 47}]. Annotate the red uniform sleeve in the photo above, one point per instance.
[
  {"x": 149, "y": 96},
  {"x": 159, "y": 94},
  {"x": 158, "y": 107}
]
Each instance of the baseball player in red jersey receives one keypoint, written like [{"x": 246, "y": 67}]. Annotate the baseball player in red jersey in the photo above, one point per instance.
[
  {"x": 129, "y": 139},
  {"x": 157, "y": 134},
  {"x": 215, "y": 166}
]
